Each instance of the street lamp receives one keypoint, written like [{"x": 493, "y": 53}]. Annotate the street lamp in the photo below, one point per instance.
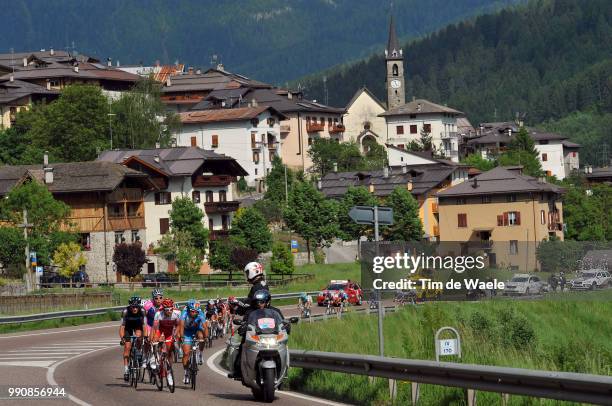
[{"x": 110, "y": 126}]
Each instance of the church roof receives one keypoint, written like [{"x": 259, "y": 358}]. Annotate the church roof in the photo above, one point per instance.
[
  {"x": 420, "y": 106},
  {"x": 393, "y": 48}
]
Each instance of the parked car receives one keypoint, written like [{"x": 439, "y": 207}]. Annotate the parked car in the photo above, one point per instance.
[
  {"x": 524, "y": 284},
  {"x": 352, "y": 289},
  {"x": 52, "y": 279},
  {"x": 157, "y": 279},
  {"x": 591, "y": 279}
]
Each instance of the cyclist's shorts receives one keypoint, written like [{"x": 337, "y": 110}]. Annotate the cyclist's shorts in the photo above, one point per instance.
[
  {"x": 188, "y": 339},
  {"x": 131, "y": 332}
]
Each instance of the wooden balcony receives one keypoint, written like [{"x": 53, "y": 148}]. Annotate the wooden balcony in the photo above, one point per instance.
[
  {"x": 125, "y": 195},
  {"x": 221, "y": 207},
  {"x": 126, "y": 223},
  {"x": 285, "y": 128},
  {"x": 219, "y": 234},
  {"x": 314, "y": 127},
  {"x": 336, "y": 128},
  {"x": 213, "y": 180}
]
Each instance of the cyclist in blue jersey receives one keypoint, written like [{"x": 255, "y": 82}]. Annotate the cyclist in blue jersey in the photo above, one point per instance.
[{"x": 191, "y": 327}]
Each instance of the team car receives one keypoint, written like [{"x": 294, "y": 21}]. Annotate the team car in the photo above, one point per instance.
[
  {"x": 352, "y": 289},
  {"x": 524, "y": 284},
  {"x": 591, "y": 279}
]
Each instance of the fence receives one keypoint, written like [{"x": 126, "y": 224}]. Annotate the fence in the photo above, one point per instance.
[{"x": 43, "y": 302}]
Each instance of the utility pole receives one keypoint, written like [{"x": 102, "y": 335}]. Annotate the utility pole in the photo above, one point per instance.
[
  {"x": 286, "y": 188},
  {"x": 110, "y": 125},
  {"x": 25, "y": 225}
]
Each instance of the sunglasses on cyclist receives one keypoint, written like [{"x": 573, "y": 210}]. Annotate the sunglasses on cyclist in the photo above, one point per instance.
[
  {"x": 167, "y": 309},
  {"x": 158, "y": 297}
]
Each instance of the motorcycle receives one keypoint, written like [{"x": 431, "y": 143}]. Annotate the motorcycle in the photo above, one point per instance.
[{"x": 265, "y": 357}]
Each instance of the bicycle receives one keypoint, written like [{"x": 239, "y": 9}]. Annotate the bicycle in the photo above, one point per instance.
[
  {"x": 192, "y": 365},
  {"x": 134, "y": 362},
  {"x": 305, "y": 312},
  {"x": 164, "y": 366},
  {"x": 331, "y": 309}
]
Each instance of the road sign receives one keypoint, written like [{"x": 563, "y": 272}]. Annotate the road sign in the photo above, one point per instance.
[
  {"x": 294, "y": 246},
  {"x": 365, "y": 215},
  {"x": 33, "y": 258},
  {"x": 448, "y": 347},
  {"x": 39, "y": 270}
]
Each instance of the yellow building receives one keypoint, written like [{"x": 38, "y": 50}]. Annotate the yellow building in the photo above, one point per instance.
[
  {"x": 424, "y": 181},
  {"x": 16, "y": 95},
  {"x": 503, "y": 213}
]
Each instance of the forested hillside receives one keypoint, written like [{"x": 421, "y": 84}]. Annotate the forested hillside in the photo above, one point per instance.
[
  {"x": 271, "y": 40},
  {"x": 546, "y": 60}
]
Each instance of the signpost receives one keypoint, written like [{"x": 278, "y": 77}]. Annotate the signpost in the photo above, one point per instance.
[
  {"x": 294, "y": 246},
  {"x": 449, "y": 346}
]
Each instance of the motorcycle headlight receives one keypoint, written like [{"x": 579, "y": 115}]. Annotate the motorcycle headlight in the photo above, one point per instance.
[{"x": 268, "y": 341}]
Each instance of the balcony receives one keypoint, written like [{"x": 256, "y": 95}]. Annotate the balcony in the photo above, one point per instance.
[
  {"x": 314, "y": 127},
  {"x": 336, "y": 128},
  {"x": 219, "y": 234},
  {"x": 212, "y": 180},
  {"x": 125, "y": 195},
  {"x": 126, "y": 223},
  {"x": 436, "y": 231},
  {"x": 448, "y": 135},
  {"x": 220, "y": 207},
  {"x": 285, "y": 128}
]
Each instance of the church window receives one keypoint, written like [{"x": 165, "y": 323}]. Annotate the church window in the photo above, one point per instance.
[{"x": 395, "y": 70}]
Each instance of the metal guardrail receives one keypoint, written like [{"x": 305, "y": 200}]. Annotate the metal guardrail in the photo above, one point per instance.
[
  {"x": 104, "y": 310},
  {"x": 567, "y": 386}
]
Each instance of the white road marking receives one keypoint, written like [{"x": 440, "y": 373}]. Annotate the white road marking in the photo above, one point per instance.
[
  {"x": 36, "y": 350},
  {"x": 40, "y": 364},
  {"x": 33, "y": 357},
  {"x": 60, "y": 332},
  {"x": 210, "y": 363}
]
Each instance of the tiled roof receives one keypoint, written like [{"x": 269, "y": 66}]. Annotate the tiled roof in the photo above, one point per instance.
[
  {"x": 87, "y": 70},
  {"x": 72, "y": 177},
  {"x": 179, "y": 161},
  {"x": 420, "y": 106},
  {"x": 224, "y": 114},
  {"x": 497, "y": 181},
  {"x": 422, "y": 177},
  {"x": 16, "y": 89},
  {"x": 210, "y": 80}
]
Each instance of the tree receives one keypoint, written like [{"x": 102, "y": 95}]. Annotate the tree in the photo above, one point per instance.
[
  {"x": 477, "y": 161},
  {"x": 310, "y": 215},
  {"x": 178, "y": 246},
  {"x": 129, "y": 259},
  {"x": 587, "y": 214},
  {"x": 282, "y": 260},
  {"x": 325, "y": 152},
  {"x": 186, "y": 216},
  {"x": 141, "y": 118},
  {"x": 555, "y": 255},
  {"x": 250, "y": 229},
  {"x": 275, "y": 181},
  {"x": 522, "y": 152},
  {"x": 375, "y": 156},
  {"x": 12, "y": 247},
  {"x": 220, "y": 255},
  {"x": 271, "y": 210},
  {"x": 354, "y": 196},
  {"x": 407, "y": 224},
  {"x": 69, "y": 259},
  {"x": 241, "y": 256}
]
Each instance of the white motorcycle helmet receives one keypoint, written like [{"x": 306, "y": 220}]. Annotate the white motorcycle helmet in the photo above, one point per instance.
[{"x": 252, "y": 270}]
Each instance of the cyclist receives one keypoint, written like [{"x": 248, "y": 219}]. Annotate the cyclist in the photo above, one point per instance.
[
  {"x": 343, "y": 298},
  {"x": 189, "y": 326},
  {"x": 304, "y": 304},
  {"x": 151, "y": 306},
  {"x": 165, "y": 326},
  {"x": 132, "y": 324},
  {"x": 200, "y": 334}
]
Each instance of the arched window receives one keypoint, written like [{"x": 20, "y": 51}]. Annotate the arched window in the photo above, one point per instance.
[{"x": 395, "y": 70}]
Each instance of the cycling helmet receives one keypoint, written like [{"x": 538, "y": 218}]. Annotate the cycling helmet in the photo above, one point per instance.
[
  {"x": 262, "y": 296},
  {"x": 167, "y": 303},
  {"x": 190, "y": 306},
  {"x": 303, "y": 296},
  {"x": 253, "y": 270},
  {"x": 192, "y": 303},
  {"x": 134, "y": 301},
  {"x": 157, "y": 292}
]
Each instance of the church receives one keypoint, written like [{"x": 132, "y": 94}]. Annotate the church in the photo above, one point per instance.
[{"x": 434, "y": 128}]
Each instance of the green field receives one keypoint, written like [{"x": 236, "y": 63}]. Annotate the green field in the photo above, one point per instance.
[{"x": 564, "y": 332}]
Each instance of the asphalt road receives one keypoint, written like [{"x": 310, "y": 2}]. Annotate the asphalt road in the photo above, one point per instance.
[{"x": 86, "y": 361}]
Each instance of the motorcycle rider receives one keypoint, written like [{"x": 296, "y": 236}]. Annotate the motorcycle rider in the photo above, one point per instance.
[
  {"x": 263, "y": 309},
  {"x": 254, "y": 273}
]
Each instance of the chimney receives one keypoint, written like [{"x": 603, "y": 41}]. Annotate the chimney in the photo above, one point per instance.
[
  {"x": 76, "y": 68},
  {"x": 190, "y": 70},
  {"x": 335, "y": 166},
  {"x": 156, "y": 158},
  {"x": 198, "y": 71},
  {"x": 254, "y": 103},
  {"x": 157, "y": 145},
  {"x": 51, "y": 51},
  {"x": 419, "y": 107},
  {"x": 109, "y": 62},
  {"x": 475, "y": 183},
  {"x": 386, "y": 172},
  {"x": 371, "y": 188},
  {"x": 289, "y": 95},
  {"x": 48, "y": 84},
  {"x": 48, "y": 176},
  {"x": 319, "y": 184},
  {"x": 509, "y": 132},
  {"x": 25, "y": 62},
  {"x": 220, "y": 67},
  {"x": 168, "y": 82},
  {"x": 46, "y": 159},
  {"x": 409, "y": 186}
]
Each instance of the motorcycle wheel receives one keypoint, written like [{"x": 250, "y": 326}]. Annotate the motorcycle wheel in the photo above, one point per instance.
[{"x": 268, "y": 385}]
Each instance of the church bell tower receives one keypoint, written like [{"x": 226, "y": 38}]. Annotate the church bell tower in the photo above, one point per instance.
[{"x": 396, "y": 89}]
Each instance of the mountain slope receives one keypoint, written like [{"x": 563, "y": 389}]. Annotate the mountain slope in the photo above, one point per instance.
[
  {"x": 545, "y": 59},
  {"x": 271, "y": 40}
]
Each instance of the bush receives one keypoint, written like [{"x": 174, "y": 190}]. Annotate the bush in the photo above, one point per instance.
[
  {"x": 282, "y": 260},
  {"x": 319, "y": 257}
]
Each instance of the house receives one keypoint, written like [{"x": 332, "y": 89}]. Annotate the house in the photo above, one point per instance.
[
  {"x": 204, "y": 176},
  {"x": 304, "y": 120},
  {"x": 502, "y": 212},
  {"x": 106, "y": 200},
  {"x": 54, "y": 70},
  {"x": 362, "y": 122},
  {"x": 159, "y": 73},
  {"x": 422, "y": 180},
  {"x": 558, "y": 156},
  {"x": 250, "y": 135},
  {"x": 17, "y": 95},
  {"x": 601, "y": 175}
]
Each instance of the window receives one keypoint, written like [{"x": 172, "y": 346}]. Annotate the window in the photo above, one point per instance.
[
  {"x": 135, "y": 236},
  {"x": 209, "y": 196},
  {"x": 256, "y": 157},
  {"x": 460, "y": 200},
  {"x": 511, "y": 198},
  {"x": 225, "y": 221},
  {"x": 222, "y": 196},
  {"x": 329, "y": 121},
  {"x": 513, "y": 247},
  {"x": 574, "y": 154},
  {"x": 395, "y": 70},
  {"x": 163, "y": 198},
  {"x": 413, "y": 116},
  {"x": 85, "y": 240},
  {"x": 322, "y": 120},
  {"x": 271, "y": 121},
  {"x": 427, "y": 128},
  {"x": 164, "y": 226},
  {"x": 413, "y": 129},
  {"x": 485, "y": 199},
  {"x": 542, "y": 217},
  {"x": 548, "y": 173},
  {"x": 119, "y": 237},
  {"x": 256, "y": 171},
  {"x": 401, "y": 146},
  {"x": 194, "y": 142},
  {"x": 509, "y": 218},
  {"x": 462, "y": 220},
  {"x": 309, "y": 141},
  {"x": 512, "y": 218},
  {"x": 195, "y": 196},
  {"x": 211, "y": 224},
  {"x": 253, "y": 140},
  {"x": 116, "y": 210},
  {"x": 215, "y": 141},
  {"x": 544, "y": 157},
  {"x": 399, "y": 129}
]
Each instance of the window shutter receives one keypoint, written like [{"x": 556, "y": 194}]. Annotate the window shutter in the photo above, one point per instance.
[
  {"x": 505, "y": 218},
  {"x": 157, "y": 198},
  {"x": 518, "y": 218},
  {"x": 164, "y": 225},
  {"x": 500, "y": 220},
  {"x": 215, "y": 140}
]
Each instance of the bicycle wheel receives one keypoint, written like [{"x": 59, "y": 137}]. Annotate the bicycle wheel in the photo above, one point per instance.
[
  {"x": 193, "y": 369},
  {"x": 169, "y": 376},
  {"x": 161, "y": 369}
]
